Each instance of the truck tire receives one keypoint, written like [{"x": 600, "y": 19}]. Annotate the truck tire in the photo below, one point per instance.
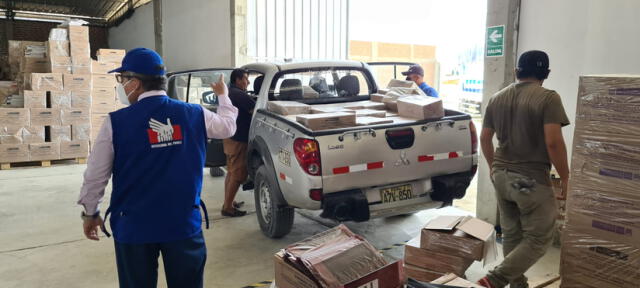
[
  {"x": 275, "y": 222},
  {"x": 216, "y": 172}
]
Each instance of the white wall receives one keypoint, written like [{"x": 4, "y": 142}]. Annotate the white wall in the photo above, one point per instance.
[
  {"x": 134, "y": 32},
  {"x": 582, "y": 37},
  {"x": 196, "y": 34}
]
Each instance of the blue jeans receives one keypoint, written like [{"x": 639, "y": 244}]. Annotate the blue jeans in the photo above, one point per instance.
[{"x": 184, "y": 262}]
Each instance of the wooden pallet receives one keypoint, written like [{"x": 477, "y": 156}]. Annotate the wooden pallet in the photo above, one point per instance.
[{"x": 44, "y": 163}]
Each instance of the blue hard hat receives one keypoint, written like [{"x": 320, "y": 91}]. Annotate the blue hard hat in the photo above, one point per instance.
[{"x": 142, "y": 61}]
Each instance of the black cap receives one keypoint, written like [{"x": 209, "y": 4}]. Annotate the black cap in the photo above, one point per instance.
[
  {"x": 414, "y": 69},
  {"x": 534, "y": 60}
]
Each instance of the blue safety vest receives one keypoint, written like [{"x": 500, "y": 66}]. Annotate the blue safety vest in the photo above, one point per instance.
[{"x": 159, "y": 153}]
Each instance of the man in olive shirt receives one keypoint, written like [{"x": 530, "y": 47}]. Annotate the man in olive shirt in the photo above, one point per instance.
[{"x": 527, "y": 120}]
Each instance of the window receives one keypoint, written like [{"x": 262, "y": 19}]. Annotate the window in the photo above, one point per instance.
[{"x": 321, "y": 86}]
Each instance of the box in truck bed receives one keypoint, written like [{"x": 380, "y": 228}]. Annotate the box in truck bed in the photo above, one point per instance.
[
  {"x": 288, "y": 107},
  {"x": 326, "y": 121},
  {"x": 420, "y": 107}
]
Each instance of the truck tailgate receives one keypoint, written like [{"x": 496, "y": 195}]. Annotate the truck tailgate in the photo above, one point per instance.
[{"x": 372, "y": 157}]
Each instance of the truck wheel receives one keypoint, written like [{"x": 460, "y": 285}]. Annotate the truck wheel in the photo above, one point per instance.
[
  {"x": 216, "y": 172},
  {"x": 275, "y": 222}
]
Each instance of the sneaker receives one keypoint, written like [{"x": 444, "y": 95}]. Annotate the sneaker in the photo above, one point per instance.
[{"x": 484, "y": 282}]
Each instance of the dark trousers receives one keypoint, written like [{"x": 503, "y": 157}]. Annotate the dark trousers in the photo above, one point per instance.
[{"x": 183, "y": 263}]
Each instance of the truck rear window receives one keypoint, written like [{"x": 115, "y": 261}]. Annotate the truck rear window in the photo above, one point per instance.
[{"x": 320, "y": 86}]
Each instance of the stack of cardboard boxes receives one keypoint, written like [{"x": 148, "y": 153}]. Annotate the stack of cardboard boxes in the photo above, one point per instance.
[
  {"x": 52, "y": 120},
  {"x": 448, "y": 244},
  {"x": 601, "y": 241},
  {"x": 103, "y": 91}
]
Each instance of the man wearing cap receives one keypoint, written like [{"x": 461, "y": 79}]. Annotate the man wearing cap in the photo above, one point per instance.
[
  {"x": 154, "y": 150},
  {"x": 527, "y": 120},
  {"x": 416, "y": 74}
]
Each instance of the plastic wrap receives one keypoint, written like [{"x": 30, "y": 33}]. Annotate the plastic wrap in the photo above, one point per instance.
[
  {"x": 58, "y": 48},
  {"x": 45, "y": 116},
  {"x": 59, "y": 34},
  {"x": 453, "y": 242},
  {"x": 288, "y": 107},
  {"x": 61, "y": 99},
  {"x": 60, "y": 133},
  {"x": 336, "y": 257},
  {"x": 601, "y": 241},
  {"x": 434, "y": 261},
  {"x": 10, "y": 135},
  {"x": 81, "y": 132},
  {"x": 32, "y": 134}
]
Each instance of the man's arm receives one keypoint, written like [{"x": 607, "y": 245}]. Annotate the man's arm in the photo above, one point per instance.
[
  {"x": 96, "y": 178},
  {"x": 430, "y": 91},
  {"x": 486, "y": 142},
  {"x": 221, "y": 125},
  {"x": 557, "y": 151}
]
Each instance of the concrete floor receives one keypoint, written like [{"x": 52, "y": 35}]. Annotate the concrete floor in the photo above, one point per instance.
[{"x": 42, "y": 245}]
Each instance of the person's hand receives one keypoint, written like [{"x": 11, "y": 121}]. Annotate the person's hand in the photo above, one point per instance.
[
  {"x": 91, "y": 228},
  {"x": 564, "y": 187},
  {"x": 219, "y": 87}
]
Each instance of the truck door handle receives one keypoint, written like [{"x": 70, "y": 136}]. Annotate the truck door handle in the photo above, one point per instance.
[
  {"x": 357, "y": 134},
  {"x": 438, "y": 124},
  {"x": 275, "y": 127}
]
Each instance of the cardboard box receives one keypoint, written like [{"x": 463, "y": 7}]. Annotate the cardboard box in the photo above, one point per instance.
[
  {"x": 11, "y": 153},
  {"x": 60, "y": 99},
  {"x": 441, "y": 235},
  {"x": 383, "y": 91},
  {"x": 74, "y": 149},
  {"x": 59, "y": 133},
  {"x": 60, "y": 64},
  {"x": 35, "y": 99},
  {"x": 14, "y": 117},
  {"x": 377, "y": 97},
  {"x": 59, "y": 34},
  {"x": 288, "y": 107},
  {"x": 367, "y": 120},
  {"x": 110, "y": 55},
  {"x": 592, "y": 261},
  {"x": 420, "y": 107},
  {"x": 35, "y": 51},
  {"x": 58, "y": 48},
  {"x": 33, "y": 134},
  {"x": 98, "y": 67},
  {"x": 81, "y": 69},
  {"x": 104, "y": 93},
  {"x": 102, "y": 107},
  {"x": 371, "y": 113},
  {"x": 98, "y": 119},
  {"x": 44, "y": 151},
  {"x": 81, "y": 132},
  {"x": 10, "y": 135},
  {"x": 327, "y": 120},
  {"x": 400, "y": 83},
  {"x": 319, "y": 109},
  {"x": 370, "y": 105},
  {"x": 35, "y": 65},
  {"x": 421, "y": 274},
  {"x": 434, "y": 261},
  {"x": 75, "y": 116},
  {"x": 78, "y": 33},
  {"x": 45, "y": 116},
  {"x": 453, "y": 280},
  {"x": 81, "y": 99},
  {"x": 287, "y": 276},
  {"x": 103, "y": 81},
  {"x": 77, "y": 82},
  {"x": 44, "y": 81}
]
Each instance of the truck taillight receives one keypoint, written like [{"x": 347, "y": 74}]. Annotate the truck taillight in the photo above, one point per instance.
[
  {"x": 307, "y": 153},
  {"x": 474, "y": 137}
]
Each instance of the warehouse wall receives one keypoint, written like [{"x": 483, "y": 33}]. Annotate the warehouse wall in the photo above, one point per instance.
[
  {"x": 582, "y": 37},
  {"x": 195, "y": 33},
  {"x": 134, "y": 32}
]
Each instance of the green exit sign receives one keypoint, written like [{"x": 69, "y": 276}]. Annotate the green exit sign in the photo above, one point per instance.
[{"x": 495, "y": 41}]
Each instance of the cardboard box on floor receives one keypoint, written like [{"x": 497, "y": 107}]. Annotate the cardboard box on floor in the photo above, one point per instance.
[
  {"x": 445, "y": 234},
  {"x": 453, "y": 280},
  {"x": 10, "y": 153},
  {"x": 434, "y": 261},
  {"x": 421, "y": 274},
  {"x": 287, "y": 276},
  {"x": 326, "y": 121}
]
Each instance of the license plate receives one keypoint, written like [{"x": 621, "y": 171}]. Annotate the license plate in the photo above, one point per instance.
[{"x": 398, "y": 193}]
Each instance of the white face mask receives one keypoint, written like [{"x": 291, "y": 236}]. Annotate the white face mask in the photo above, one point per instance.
[{"x": 122, "y": 94}]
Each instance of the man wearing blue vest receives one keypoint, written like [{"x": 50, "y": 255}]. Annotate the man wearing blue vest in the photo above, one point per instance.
[
  {"x": 155, "y": 149},
  {"x": 416, "y": 74}
]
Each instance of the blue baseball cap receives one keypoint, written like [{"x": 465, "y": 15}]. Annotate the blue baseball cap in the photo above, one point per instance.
[{"x": 142, "y": 61}]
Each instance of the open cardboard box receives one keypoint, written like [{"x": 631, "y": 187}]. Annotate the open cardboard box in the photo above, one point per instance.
[
  {"x": 453, "y": 280},
  {"x": 463, "y": 236},
  {"x": 288, "y": 276}
]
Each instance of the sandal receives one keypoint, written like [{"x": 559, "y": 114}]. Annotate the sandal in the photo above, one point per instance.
[
  {"x": 235, "y": 213},
  {"x": 237, "y": 205}
]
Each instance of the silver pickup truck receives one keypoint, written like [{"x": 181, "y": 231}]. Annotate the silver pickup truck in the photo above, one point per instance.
[{"x": 351, "y": 174}]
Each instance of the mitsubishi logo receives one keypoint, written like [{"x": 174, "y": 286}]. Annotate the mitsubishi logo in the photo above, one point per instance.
[{"x": 403, "y": 159}]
